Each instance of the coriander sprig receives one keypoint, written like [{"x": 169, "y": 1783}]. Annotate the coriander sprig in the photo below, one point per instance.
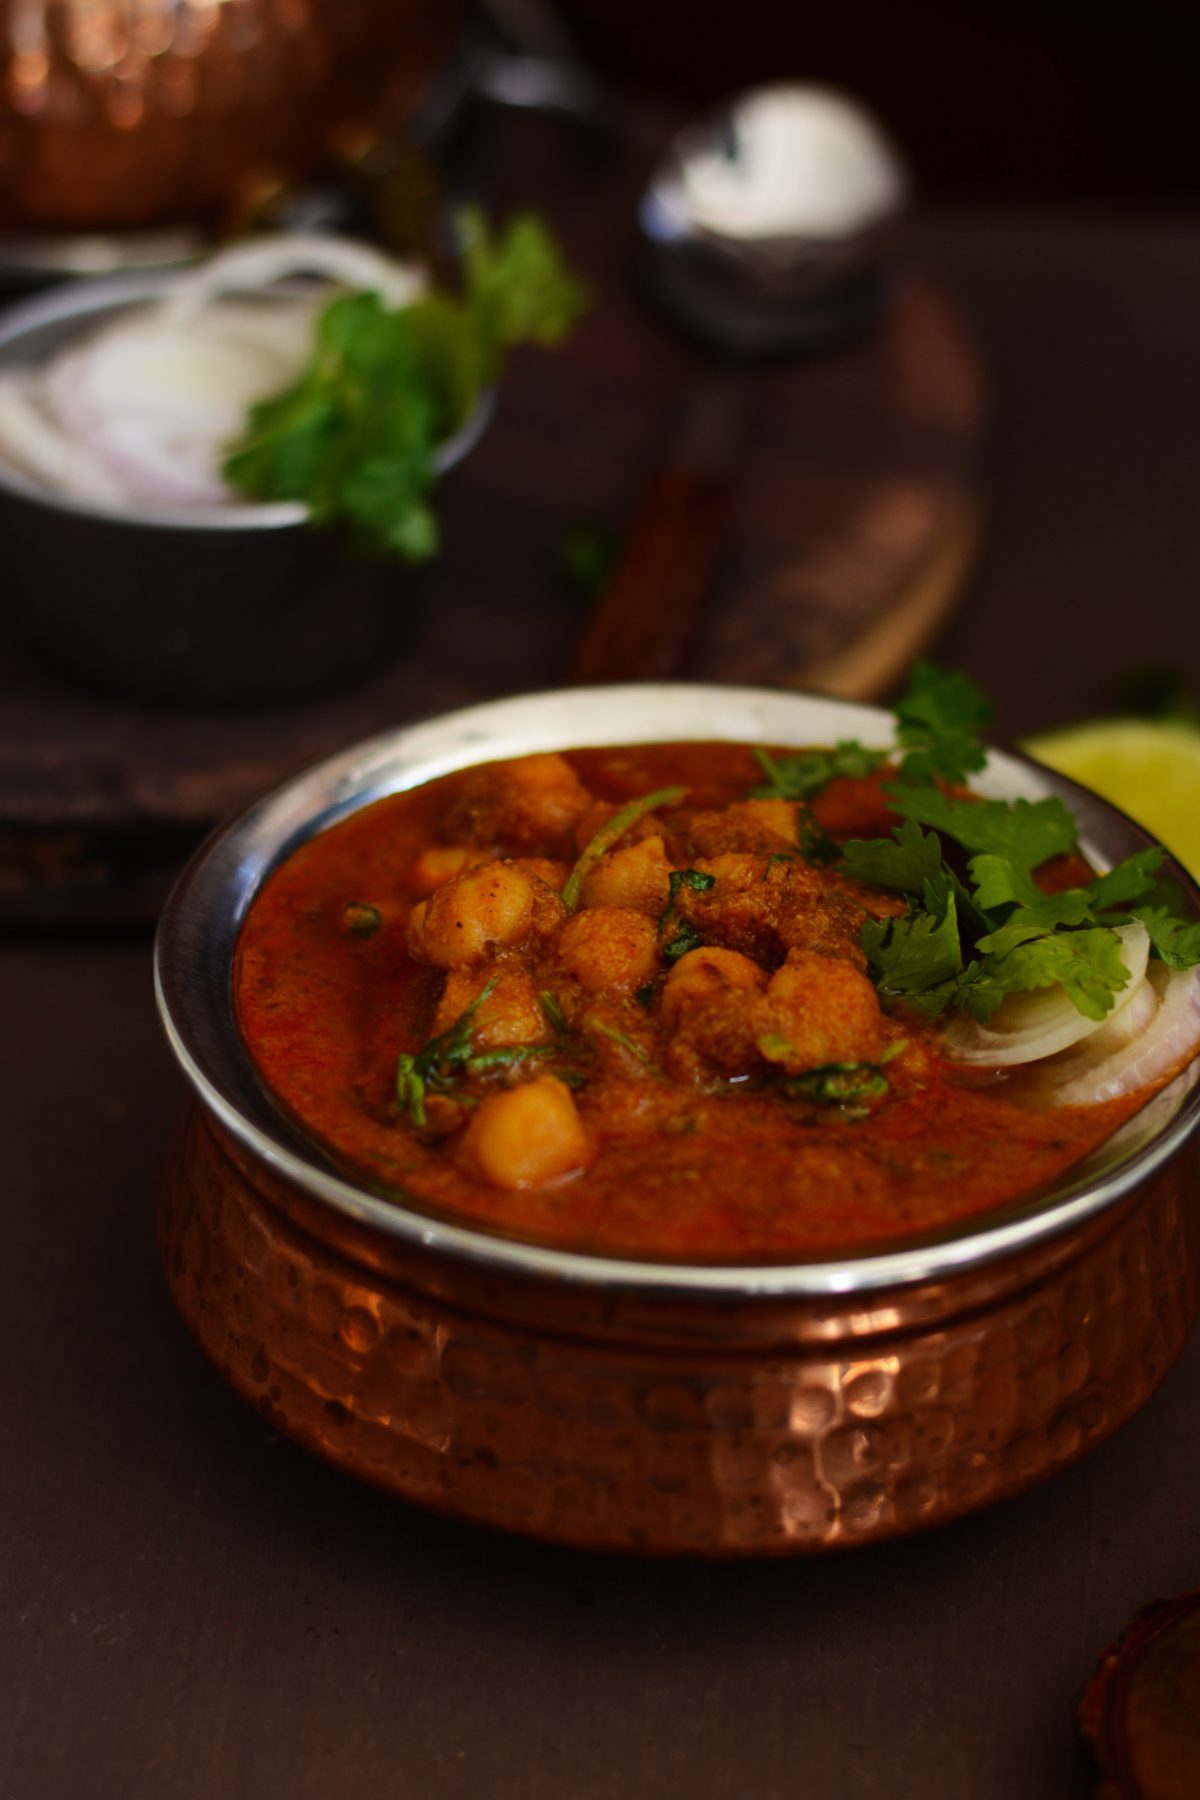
[
  {"x": 967, "y": 942},
  {"x": 356, "y": 437},
  {"x": 450, "y": 1056}
]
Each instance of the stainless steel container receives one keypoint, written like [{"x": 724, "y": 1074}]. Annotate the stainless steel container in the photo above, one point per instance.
[{"x": 218, "y": 606}]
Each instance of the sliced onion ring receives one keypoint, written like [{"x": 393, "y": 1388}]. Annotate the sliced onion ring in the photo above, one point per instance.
[
  {"x": 1165, "y": 1044},
  {"x": 249, "y": 267},
  {"x": 1028, "y": 1027}
]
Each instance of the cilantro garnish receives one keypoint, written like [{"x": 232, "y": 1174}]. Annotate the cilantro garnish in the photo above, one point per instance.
[
  {"x": 445, "y": 1059},
  {"x": 816, "y": 845},
  {"x": 361, "y": 920},
  {"x": 554, "y": 1014},
  {"x": 685, "y": 936},
  {"x": 356, "y": 436},
  {"x": 938, "y": 720},
  {"x": 1026, "y": 832},
  {"x": 800, "y": 776},
  {"x": 695, "y": 879},
  {"x": 969, "y": 942},
  {"x": 839, "y": 1084}
]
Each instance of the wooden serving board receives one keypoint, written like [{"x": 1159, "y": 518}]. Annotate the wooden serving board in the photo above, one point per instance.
[{"x": 856, "y": 511}]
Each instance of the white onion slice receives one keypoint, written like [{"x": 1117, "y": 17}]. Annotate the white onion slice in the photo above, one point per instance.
[
  {"x": 1027, "y": 1027},
  {"x": 140, "y": 412},
  {"x": 251, "y": 267},
  {"x": 1171, "y": 1035}
]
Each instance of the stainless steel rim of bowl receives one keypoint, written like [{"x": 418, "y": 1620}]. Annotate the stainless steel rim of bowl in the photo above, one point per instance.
[
  {"x": 200, "y": 925},
  {"x": 78, "y": 305}
]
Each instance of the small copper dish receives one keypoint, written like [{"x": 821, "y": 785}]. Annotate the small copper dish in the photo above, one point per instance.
[{"x": 634, "y": 1405}]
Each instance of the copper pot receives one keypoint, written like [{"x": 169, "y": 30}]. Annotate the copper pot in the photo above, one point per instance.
[
  {"x": 630, "y": 1404},
  {"x": 129, "y": 113}
]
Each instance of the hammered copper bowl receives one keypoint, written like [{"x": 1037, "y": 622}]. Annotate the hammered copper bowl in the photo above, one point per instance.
[{"x": 646, "y": 1406}]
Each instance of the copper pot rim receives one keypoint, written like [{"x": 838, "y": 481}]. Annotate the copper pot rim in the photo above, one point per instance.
[{"x": 198, "y": 930}]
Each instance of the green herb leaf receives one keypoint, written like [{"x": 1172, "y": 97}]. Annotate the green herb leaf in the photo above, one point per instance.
[
  {"x": 599, "y": 1029},
  {"x": 916, "y": 958},
  {"x": 839, "y": 1084},
  {"x": 435, "y": 1064},
  {"x": 905, "y": 861},
  {"x": 685, "y": 939},
  {"x": 355, "y": 438},
  {"x": 555, "y": 1016},
  {"x": 361, "y": 920},
  {"x": 799, "y": 777},
  {"x": 1174, "y": 942},
  {"x": 1086, "y": 963},
  {"x": 939, "y": 718},
  {"x": 695, "y": 879},
  {"x": 1024, "y": 832},
  {"x": 816, "y": 846}
]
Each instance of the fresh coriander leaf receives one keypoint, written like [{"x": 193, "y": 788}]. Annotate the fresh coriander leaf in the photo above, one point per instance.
[
  {"x": 356, "y": 436},
  {"x": 694, "y": 879},
  {"x": 1133, "y": 879},
  {"x": 939, "y": 718},
  {"x": 685, "y": 939},
  {"x": 816, "y": 845},
  {"x": 915, "y": 955},
  {"x": 839, "y": 1084},
  {"x": 799, "y": 777},
  {"x": 1025, "y": 832},
  {"x": 1087, "y": 964},
  {"x": 905, "y": 861},
  {"x": 519, "y": 287},
  {"x": 435, "y": 1064},
  {"x": 361, "y": 920},
  {"x": 1174, "y": 942},
  {"x": 644, "y": 995}
]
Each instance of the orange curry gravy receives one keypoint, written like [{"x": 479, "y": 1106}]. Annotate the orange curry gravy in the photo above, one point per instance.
[{"x": 685, "y": 1079}]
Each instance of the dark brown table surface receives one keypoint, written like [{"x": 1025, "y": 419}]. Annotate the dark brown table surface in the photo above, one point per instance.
[{"x": 190, "y": 1606}]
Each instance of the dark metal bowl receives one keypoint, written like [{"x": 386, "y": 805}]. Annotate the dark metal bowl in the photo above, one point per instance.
[
  {"x": 209, "y": 606},
  {"x": 640, "y": 1404}
]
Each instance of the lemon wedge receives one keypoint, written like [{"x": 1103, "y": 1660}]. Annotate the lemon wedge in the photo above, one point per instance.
[{"x": 1149, "y": 769}]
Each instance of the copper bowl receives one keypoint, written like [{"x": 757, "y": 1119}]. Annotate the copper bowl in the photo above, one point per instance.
[
  {"x": 117, "y": 116},
  {"x": 636, "y": 1405}
]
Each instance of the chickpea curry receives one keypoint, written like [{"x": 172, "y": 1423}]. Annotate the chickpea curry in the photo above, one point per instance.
[{"x": 625, "y": 1001}]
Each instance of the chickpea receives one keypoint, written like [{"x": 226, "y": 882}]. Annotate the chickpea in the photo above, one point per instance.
[
  {"x": 437, "y": 863},
  {"x": 704, "y": 976},
  {"x": 755, "y": 827},
  {"x": 817, "y": 1010},
  {"x": 633, "y": 875},
  {"x": 472, "y": 915},
  {"x": 528, "y": 804},
  {"x": 527, "y": 1136},
  {"x": 609, "y": 949}
]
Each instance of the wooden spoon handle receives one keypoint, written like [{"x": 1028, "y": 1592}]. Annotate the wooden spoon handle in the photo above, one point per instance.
[{"x": 644, "y": 621}]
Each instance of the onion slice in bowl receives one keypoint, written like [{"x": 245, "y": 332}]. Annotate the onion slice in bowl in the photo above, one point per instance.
[
  {"x": 1028, "y": 1027},
  {"x": 1116, "y": 1062}
]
